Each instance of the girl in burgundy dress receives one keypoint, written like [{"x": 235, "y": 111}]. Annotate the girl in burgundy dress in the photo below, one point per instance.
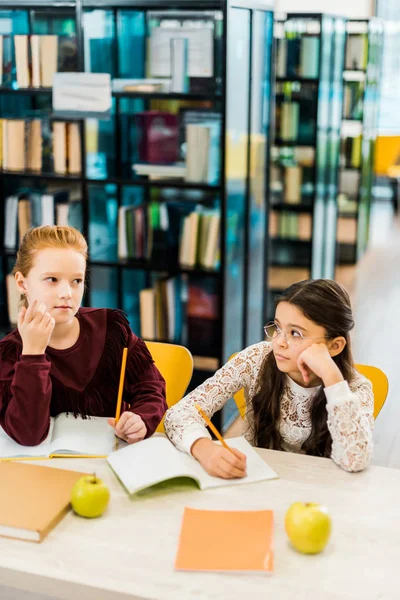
[{"x": 64, "y": 358}]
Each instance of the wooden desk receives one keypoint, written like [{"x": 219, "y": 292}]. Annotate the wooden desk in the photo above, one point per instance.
[{"x": 130, "y": 551}]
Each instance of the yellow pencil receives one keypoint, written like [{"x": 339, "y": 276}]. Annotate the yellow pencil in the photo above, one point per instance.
[
  {"x": 213, "y": 429},
  {"x": 121, "y": 385}
]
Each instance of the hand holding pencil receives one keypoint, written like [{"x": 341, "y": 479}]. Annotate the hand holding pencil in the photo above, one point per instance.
[
  {"x": 128, "y": 426},
  {"x": 220, "y": 461}
]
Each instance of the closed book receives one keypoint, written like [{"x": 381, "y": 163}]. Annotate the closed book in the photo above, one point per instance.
[
  {"x": 14, "y": 151},
  {"x": 197, "y": 153},
  {"x": 292, "y": 189},
  {"x": 290, "y": 113},
  {"x": 1, "y": 60},
  {"x": 24, "y": 217},
  {"x": 60, "y": 147},
  {"x": 74, "y": 149},
  {"x": 48, "y": 58},
  {"x": 37, "y": 499},
  {"x": 22, "y": 60},
  {"x": 35, "y": 60},
  {"x": 309, "y": 57},
  {"x": 35, "y": 145}
]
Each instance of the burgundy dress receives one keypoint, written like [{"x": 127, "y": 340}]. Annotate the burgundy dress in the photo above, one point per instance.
[{"x": 82, "y": 380}]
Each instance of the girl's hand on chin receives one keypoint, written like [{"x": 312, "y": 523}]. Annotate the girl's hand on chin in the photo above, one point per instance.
[{"x": 316, "y": 359}]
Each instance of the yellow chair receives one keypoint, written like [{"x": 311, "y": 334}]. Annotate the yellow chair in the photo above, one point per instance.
[
  {"x": 380, "y": 388},
  {"x": 380, "y": 385},
  {"x": 175, "y": 364}
]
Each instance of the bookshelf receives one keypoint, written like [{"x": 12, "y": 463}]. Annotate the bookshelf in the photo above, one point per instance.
[
  {"x": 183, "y": 253},
  {"x": 309, "y": 51},
  {"x": 359, "y": 130}
]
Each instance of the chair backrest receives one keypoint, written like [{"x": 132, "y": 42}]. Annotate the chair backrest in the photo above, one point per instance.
[
  {"x": 380, "y": 385},
  {"x": 379, "y": 380},
  {"x": 175, "y": 364}
]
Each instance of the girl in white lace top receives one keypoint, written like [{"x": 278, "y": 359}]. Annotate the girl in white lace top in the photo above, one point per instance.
[{"x": 302, "y": 392}]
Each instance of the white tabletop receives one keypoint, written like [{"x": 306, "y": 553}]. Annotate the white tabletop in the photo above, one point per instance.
[{"x": 129, "y": 552}]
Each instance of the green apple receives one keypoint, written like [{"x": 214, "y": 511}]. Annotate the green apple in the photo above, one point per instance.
[
  {"x": 90, "y": 496},
  {"x": 308, "y": 526}
]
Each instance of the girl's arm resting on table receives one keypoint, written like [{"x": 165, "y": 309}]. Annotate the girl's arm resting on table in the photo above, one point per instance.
[
  {"x": 25, "y": 399},
  {"x": 184, "y": 425},
  {"x": 350, "y": 422}
]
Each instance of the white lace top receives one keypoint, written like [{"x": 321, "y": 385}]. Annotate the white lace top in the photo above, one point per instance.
[{"x": 350, "y": 410}]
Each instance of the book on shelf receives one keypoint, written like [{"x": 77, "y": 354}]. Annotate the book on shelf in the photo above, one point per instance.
[
  {"x": 31, "y": 144},
  {"x": 177, "y": 170},
  {"x": 36, "y": 59},
  {"x": 309, "y": 56},
  {"x": 28, "y": 208},
  {"x": 68, "y": 436},
  {"x": 289, "y": 121},
  {"x": 157, "y": 137},
  {"x": 162, "y": 309},
  {"x": 1, "y": 60},
  {"x": 179, "y": 53},
  {"x": 356, "y": 51},
  {"x": 82, "y": 92},
  {"x": 201, "y": 49},
  {"x": 145, "y": 85},
  {"x": 207, "y": 151},
  {"x": 197, "y": 153}
]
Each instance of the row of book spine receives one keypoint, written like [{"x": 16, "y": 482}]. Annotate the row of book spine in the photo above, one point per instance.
[
  {"x": 28, "y": 144},
  {"x": 179, "y": 310},
  {"x": 146, "y": 230},
  {"x": 290, "y": 226},
  {"x": 25, "y": 209},
  {"x": 36, "y": 59}
]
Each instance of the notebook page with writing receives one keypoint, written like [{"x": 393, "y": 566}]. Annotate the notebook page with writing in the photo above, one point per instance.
[
  {"x": 257, "y": 468},
  {"x": 146, "y": 463},
  {"x": 92, "y": 436},
  {"x": 11, "y": 449}
]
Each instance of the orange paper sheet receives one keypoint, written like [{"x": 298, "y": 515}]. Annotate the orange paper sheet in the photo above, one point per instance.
[{"x": 215, "y": 540}]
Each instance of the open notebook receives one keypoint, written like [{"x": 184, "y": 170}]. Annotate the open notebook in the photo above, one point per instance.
[
  {"x": 154, "y": 460},
  {"x": 68, "y": 436}
]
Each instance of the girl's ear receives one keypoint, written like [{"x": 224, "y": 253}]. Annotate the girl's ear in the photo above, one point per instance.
[
  {"x": 20, "y": 282},
  {"x": 336, "y": 345}
]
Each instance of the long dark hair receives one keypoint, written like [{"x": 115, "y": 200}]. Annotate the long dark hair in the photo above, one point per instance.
[{"x": 327, "y": 304}]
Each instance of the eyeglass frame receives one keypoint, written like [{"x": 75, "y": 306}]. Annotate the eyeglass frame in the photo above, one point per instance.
[{"x": 301, "y": 338}]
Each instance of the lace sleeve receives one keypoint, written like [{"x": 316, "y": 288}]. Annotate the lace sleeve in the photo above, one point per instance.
[
  {"x": 183, "y": 424},
  {"x": 351, "y": 422}
]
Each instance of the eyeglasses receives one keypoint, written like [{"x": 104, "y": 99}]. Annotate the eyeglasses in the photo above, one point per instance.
[{"x": 293, "y": 338}]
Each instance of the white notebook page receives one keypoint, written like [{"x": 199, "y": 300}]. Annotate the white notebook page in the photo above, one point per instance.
[
  {"x": 9, "y": 448},
  {"x": 74, "y": 435}
]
